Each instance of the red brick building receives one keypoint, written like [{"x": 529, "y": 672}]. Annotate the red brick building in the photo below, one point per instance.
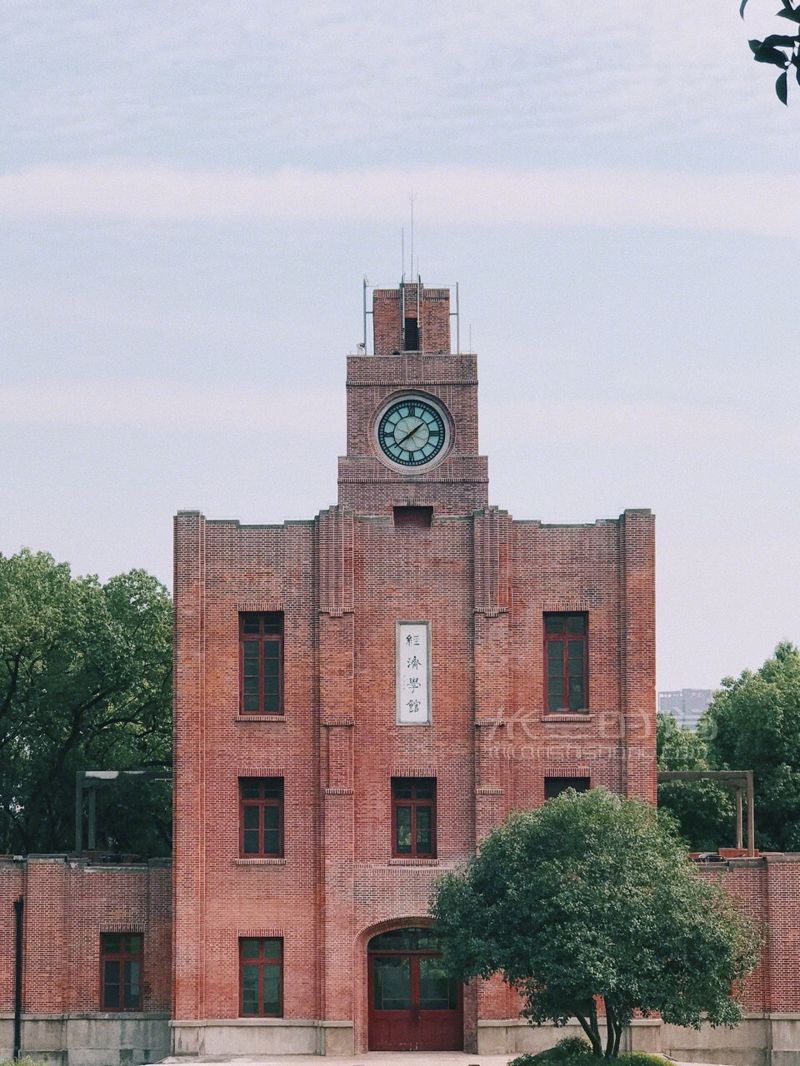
[
  {"x": 360, "y": 698},
  {"x": 363, "y": 695}
]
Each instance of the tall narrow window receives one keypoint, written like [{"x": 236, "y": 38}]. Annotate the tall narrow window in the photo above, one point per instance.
[
  {"x": 261, "y": 817},
  {"x": 414, "y": 817},
  {"x": 121, "y": 971},
  {"x": 261, "y": 977},
  {"x": 411, "y": 335},
  {"x": 261, "y": 640},
  {"x": 565, "y": 654}
]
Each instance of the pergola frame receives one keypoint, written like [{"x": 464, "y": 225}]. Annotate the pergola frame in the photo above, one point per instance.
[{"x": 739, "y": 780}]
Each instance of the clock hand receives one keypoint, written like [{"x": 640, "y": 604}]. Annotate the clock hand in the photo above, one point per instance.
[{"x": 411, "y": 434}]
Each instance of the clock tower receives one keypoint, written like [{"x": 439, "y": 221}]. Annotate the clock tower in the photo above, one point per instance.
[{"x": 412, "y": 412}]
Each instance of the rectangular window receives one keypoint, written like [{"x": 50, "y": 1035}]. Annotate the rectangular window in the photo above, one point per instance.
[
  {"x": 261, "y": 669},
  {"x": 261, "y": 977},
  {"x": 121, "y": 971},
  {"x": 261, "y": 817},
  {"x": 554, "y": 786},
  {"x": 414, "y": 817},
  {"x": 566, "y": 661}
]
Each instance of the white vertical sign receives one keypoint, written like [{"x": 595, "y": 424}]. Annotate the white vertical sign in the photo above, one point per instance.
[{"x": 413, "y": 673}]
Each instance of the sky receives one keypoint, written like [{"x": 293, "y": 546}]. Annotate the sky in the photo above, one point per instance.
[{"x": 191, "y": 195}]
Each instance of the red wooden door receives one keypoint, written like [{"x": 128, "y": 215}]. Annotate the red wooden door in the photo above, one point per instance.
[{"x": 414, "y": 1005}]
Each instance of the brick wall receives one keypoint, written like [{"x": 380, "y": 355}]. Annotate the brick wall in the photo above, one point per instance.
[{"x": 68, "y": 904}]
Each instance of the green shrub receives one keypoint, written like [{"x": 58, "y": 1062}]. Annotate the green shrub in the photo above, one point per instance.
[
  {"x": 572, "y": 1049},
  {"x": 26, "y": 1060},
  {"x": 575, "y": 1051}
]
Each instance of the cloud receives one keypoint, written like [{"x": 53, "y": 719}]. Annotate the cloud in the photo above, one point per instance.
[{"x": 753, "y": 203}]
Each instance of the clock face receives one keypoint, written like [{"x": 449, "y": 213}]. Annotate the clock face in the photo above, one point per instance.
[{"x": 412, "y": 431}]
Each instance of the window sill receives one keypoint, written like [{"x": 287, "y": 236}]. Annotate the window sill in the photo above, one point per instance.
[
  {"x": 263, "y": 861},
  {"x": 567, "y": 716},
  {"x": 413, "y": 862},
  {"x": 260, "y": 718}
]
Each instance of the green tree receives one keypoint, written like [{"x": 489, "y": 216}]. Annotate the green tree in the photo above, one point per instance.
[
  {"x": 593, "y": 897},
  {"x": 780, "y": 49},
  {"x": 703, "y": 810},
  {"x": 85, "y": 683},
  {"x": 753, "y": 723}
]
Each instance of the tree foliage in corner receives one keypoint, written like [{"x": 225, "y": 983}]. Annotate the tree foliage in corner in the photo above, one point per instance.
[
  {"x": 703, "y": 810},
  {"x": 85, "y": 683},
  {"x": 593, "y": 897},
  {"x": 780, "y": 49},
  {"x": 753, "y": 723}
]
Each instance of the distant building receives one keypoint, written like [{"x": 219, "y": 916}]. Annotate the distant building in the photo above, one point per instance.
[{"x": 686, "y": 705}]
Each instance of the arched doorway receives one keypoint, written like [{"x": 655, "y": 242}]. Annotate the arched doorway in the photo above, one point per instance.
[{"x": 413, "y": 1004}]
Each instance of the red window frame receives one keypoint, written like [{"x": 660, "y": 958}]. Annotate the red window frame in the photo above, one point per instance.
[
  {"x": 557, "y": 651},
  {"x": 118, "y": 957},
  {"x": 260, "y": 794},
  {"x": 260, "y": 640},
  {"x": 409, "y": 794},
  {"x": 262, "y": 960}
]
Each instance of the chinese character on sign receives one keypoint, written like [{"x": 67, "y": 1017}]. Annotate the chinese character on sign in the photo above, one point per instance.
[{"x": 413, "y": 677}]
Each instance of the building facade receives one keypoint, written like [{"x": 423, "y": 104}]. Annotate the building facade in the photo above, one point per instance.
[
  {"x": 686, "y": 705},
  {"x": 360, "y": 697}
]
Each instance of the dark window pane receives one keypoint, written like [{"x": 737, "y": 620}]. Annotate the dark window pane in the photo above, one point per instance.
[
  {"x": 554, "y": 786},
  {"x": 272, "y": 989},
  {"x": 250, "y": 841},
  {"x": 131, "y": 985},
  {"x": 273, "y": 948},
  {"x": 273, "y": 622},
  {"x": 111, "y": 985},
  {"x": 250, "y": 787},
  {"x": 251, "y": 704},
  {"x": 437, "y": 991},
  {"x": 425, "y": 788},
  {"x": 250, "y": 990},
  {"x": 111, "y": 943},
  {"x": 555, "y": 655},
  {"x": 272, "y": 703},
  {"x": 250, "y": 816},
  {"x": 409, "y": 938},
  {"x": 576, "y": 700},
  {"x": 424, "y": 831},
  {"x": 272, "y": 842},
  {"x": 273, "y": 787},
  {"x": 134, "y": 943},
  {"x": 403, "y": 829},
  {"x": 249, "y": 947},
  {"x": 575, "y": 650},
  {"x": 554, "y": 623},
  {"x": 391, "y": 983},
  {"x": 402, "y": 788},
  {"x": 272, "y": 817},
  {"x": 576, "y": 623},
  {"x": 272, "y": 649},
  {"x": 250, "y": 623}
]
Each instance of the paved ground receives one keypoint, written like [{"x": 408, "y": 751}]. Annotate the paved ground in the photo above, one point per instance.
[
  {"x": 373, "y": 1058},
  {"x": 399, "y": 1058}
]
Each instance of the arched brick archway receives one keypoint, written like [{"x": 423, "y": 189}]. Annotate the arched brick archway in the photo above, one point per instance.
[{"x": 403, "y": 999}]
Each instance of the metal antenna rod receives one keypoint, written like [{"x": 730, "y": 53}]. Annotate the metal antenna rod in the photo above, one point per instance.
[
  {"x": 411, "y": 264},
  {"x": 402, "y": 252}
]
